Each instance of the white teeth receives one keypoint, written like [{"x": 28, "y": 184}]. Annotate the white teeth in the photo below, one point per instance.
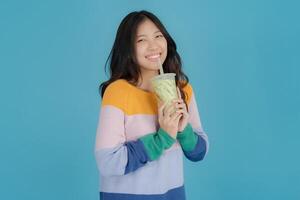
[{"x": 154, "y": 56}]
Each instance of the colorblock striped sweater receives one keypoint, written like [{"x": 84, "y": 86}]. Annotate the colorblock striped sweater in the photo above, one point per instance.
[{"x": 137, "y": 159}]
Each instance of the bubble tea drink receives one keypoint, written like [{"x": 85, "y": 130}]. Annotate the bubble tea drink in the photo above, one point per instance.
[{"x": 164, "y": 86}]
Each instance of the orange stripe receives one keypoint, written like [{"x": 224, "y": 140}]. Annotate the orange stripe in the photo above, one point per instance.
[{"x": 120, "y": 92}]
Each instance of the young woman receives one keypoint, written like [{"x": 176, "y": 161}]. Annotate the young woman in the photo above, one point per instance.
[{"x": 139, "y": 144}]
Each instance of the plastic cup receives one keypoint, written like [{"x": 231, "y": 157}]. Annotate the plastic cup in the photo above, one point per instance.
[{"x": 164, "y": 86}]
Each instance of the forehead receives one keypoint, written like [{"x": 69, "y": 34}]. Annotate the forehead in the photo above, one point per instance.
[{"x": 147, "y": 27}]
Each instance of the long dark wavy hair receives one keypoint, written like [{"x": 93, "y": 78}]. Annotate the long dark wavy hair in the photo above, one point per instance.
[{"x": 122, "y": 60}]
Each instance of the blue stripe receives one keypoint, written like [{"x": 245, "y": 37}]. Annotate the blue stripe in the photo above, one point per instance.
[
  {"x": 137, "y": 155},
  {"x": 174, "y": 194},
  {"x": 155, "y": 177},
  {"x": 199, "y": 151}
]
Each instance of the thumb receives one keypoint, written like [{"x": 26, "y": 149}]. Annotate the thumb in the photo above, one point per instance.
[{"x": 159, "y": 101}]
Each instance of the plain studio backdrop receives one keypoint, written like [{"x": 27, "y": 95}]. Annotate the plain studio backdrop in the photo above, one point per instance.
[{"x": 242, "y": 58}]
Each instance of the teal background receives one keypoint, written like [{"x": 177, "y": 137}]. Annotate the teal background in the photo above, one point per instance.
[{"x": 242, "y": 58}]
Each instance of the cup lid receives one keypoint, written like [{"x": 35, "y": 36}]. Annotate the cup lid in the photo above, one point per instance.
[{"x": 164, "y": 76}]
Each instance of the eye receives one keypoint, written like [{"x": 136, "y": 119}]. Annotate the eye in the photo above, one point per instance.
[
  {"x": 159, "y": 36},
  {"x": 141, "y": 40}
]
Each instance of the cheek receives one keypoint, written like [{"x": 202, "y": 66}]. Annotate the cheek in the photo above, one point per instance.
[
  {"x": 164, "y": 44},
  {"x": 140, "y": 51},
  {"x": 164, "y": 47}
]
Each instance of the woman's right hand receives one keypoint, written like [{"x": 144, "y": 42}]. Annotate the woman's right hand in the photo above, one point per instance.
[{"x": 168, "y": 122}]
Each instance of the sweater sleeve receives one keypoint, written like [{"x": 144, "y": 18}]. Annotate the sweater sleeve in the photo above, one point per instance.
[
  {"x": 114, "y": 155},
  {"x": 193, "y": 139}
]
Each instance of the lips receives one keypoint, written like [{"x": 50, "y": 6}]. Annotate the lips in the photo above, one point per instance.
[{"x": 153, "y": 57}]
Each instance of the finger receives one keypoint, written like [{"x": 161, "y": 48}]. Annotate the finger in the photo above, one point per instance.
[
  {"x": 158, "y": 98},
  {"x": 178, "y": 118},
  {"x": 183, "y": 112},
  {"x": 180, "y": 106},
  {"x": 169, "y": 109},
  {"x": 178, "y": 92},
  {"x": 175, "y": 112},
  {"x": 177, "y": 101},
  {"x": 174, "y": 115},
  {"x": 159, "y": 101},
  {"x": 161, "y": 109},
  {"x": 160, "y": 104}
]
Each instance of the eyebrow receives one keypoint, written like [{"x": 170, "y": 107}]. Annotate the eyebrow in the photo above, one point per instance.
[{"x": 145, "y": 35}]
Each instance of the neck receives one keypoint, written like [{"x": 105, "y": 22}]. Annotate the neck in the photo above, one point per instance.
[{"x": 144, "y": 81}]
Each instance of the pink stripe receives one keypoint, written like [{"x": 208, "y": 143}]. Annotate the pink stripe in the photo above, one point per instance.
[
  {"x": 115, "y": 128},
  {"x": 110, "y": 131},
  {"x": 194, "y": 114},
  {"x": 139, "y": 125},
  {"x": 195, "y": 120}
]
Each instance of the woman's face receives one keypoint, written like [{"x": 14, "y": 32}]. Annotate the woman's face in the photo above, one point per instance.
[{"x": 150, "y": 45}]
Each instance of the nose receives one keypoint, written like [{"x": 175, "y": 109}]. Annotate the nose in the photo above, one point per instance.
[{"x": 152, "y": 45}]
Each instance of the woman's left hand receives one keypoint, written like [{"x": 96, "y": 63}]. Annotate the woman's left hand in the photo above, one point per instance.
[{"x": 181, "y": 108}]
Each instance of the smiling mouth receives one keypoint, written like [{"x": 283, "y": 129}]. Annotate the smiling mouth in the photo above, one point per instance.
[{"x": 153, "y": 57}]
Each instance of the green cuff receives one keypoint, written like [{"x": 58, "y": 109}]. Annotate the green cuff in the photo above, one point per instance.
[
  {"x": 187, "y": 138},
  {"x": 156, "y": 143}
]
